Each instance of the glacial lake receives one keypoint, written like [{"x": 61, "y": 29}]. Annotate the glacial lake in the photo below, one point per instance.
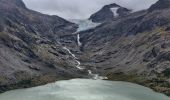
[{"x": 85, "y": 89}]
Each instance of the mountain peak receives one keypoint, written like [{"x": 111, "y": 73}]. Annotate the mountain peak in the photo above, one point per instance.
[
  {"x": 161, "y": 4},
  {"x": 18, "y": 3},
  {"x": 109, "y": 12},
  {"x": 111, "y": 5}
]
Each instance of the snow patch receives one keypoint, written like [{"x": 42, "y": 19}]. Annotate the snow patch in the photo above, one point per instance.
[
  {"x": 114, "y": 10},
  {"x": 83, "y": 25}
]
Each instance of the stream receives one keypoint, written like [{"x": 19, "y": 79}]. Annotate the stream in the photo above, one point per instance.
[{"x": 83, "y": 25}]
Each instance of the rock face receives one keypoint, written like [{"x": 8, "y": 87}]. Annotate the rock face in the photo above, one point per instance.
[
  {"x": 29, "y": 49},
  {"x": 109, "y": 12}
]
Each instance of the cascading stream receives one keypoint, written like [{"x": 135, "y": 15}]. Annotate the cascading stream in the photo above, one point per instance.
[
  {"x": 84, "y": 25},
  {"x": 93, "y": 76},
  {"x": 75, "y": 58}
]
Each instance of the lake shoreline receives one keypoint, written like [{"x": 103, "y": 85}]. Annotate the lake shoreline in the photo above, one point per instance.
[
  {"x": 85, "y": 89},
  {"x": 51, "y": 78},
  {"x": 157, "y": 84}
]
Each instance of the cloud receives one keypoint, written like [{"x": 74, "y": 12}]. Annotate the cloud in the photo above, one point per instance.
[{"x": 80, "y": 9}]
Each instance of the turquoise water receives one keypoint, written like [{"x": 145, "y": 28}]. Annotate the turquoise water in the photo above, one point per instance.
[{"x": 85, "y": 89}]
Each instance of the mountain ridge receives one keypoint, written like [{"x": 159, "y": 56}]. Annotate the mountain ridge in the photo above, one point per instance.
[
  {"x": 30, "y": 53},
  {"x": 161, "y": 4}
]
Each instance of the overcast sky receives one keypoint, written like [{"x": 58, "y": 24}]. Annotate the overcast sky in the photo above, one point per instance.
[{"x": 81, "y": 9}]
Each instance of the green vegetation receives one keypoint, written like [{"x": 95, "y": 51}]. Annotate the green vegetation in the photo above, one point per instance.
[{"x": 167, "y": 72}]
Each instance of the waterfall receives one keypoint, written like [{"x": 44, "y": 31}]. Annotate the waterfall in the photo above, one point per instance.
[
  {"x": 84, "y": 25},
  {"x": 78, "y": 40},
  {"x": 70, "y": 52},
  {"x": 91, "y": 74},
  {"x": 75, "y": 58}
]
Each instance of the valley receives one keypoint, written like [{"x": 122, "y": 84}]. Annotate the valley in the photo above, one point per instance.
[{"x": 113, "y": 44}]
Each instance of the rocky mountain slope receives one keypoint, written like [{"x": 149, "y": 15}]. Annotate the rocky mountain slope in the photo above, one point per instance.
[
  {"x": 109, "y": 13},
  {"x": 132, "y": 48},
  {"x": 30, "y": 51},
  {"x": 127, "y": 46}
]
